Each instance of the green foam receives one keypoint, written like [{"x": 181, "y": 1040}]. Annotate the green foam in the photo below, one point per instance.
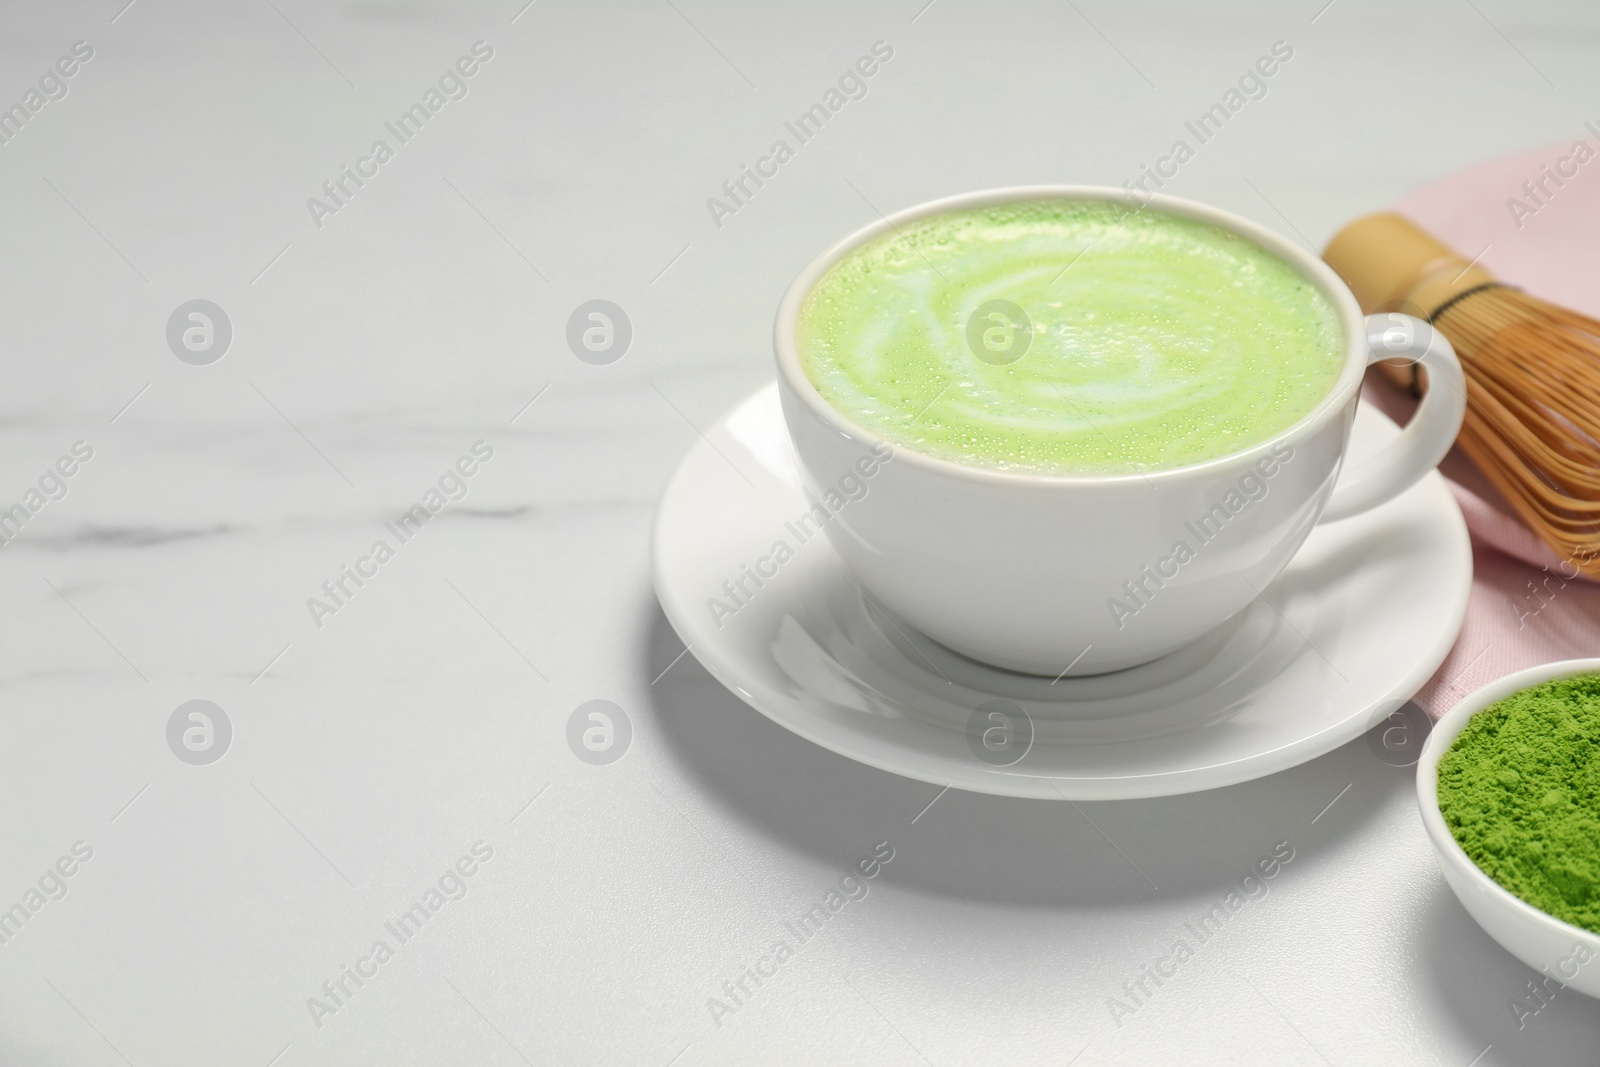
[{"x": 1157, "y": 342}]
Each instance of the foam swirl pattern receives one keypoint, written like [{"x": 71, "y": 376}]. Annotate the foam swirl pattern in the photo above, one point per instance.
[{"x": 1156, "y": 342}]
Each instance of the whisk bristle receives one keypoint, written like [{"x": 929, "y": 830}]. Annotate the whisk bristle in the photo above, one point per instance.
[
  {"x": 1532, "y": 369},
  {"x": 1533, "y": 412}
]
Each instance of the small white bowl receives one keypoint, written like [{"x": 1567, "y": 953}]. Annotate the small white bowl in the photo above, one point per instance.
[{"x": 1565, "y": 952}]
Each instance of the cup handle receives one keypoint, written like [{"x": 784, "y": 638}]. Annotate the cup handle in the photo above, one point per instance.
[{"x": 1430, "y": 433}]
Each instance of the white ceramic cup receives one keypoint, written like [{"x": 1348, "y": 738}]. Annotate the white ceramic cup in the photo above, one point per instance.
[{"x": 1027, "y": 571}]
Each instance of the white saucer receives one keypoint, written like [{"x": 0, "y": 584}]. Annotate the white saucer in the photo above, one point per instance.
[{"x": 1363, "y": 615}]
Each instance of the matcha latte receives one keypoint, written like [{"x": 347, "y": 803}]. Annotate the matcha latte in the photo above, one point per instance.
[{"x": 1066, "y": 336}]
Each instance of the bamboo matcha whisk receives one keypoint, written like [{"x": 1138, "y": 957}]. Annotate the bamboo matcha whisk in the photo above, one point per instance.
[{"x": 1532, "y": 369}]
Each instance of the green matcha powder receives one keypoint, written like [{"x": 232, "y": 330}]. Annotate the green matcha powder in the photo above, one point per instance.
[{"x": 1520, "y": 791}]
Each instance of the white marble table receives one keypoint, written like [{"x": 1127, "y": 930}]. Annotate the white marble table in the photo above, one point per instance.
[{"x": 375, "y": 746}]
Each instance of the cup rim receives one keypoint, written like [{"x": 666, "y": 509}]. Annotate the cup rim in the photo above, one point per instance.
[
  {"x": 1311, "y": 267},
  {"x": 1443, "y": 735}
]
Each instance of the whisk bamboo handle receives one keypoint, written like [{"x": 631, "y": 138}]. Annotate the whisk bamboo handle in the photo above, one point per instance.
[{"x": 1392, "y": 265}]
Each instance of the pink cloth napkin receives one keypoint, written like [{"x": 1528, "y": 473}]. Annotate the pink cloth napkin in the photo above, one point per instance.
[{"x": 1527, "y": 607}]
